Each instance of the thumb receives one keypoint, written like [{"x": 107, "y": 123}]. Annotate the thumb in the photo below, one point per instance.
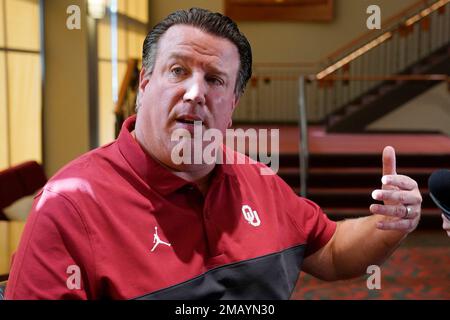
[{"x": 389, "y": 165}]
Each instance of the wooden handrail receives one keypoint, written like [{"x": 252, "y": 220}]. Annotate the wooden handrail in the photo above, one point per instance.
[
  {"x": 400, "y": 77},
  {"x": 370, "y": 34},
  {"x": 365, "y": 37},
  {"x": 131, "y": 66},
  {"x": 404, "y": 77}
]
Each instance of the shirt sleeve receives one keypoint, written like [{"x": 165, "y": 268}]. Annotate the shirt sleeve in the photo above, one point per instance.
[
  {"x": 54, "y": 259},
  {"x": 314, "y": 227},
  {"x": 315, "y": 224}
]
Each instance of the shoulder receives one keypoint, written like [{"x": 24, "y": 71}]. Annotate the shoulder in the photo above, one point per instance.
[
  {"x": 82, "y": 173},
  {"x": 80, "y": 179},
  {"x": 256, "y": 172}
]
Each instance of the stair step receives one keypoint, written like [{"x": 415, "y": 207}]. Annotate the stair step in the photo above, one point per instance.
[
  {"x": 386, "y": 88},
  {"x": 366, "y": 160},
  {"x": 335, "y": 118},
  {"x": 347, "y": 178},
  {"x": 350, "y": 191},
  {"x": 341, "y": 191},
  {"x": 364, "y": 211},
  {"x": 369, "y": 98},
  {"x": 357, "y": 197},
  {"x": 358, "y": 170},
  {"x": 351, "y": 108}
]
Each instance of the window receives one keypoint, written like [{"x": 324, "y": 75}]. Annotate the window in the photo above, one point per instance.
[
  {"x": 20, "y": 82},
  {"x": 119, "y": 37}
]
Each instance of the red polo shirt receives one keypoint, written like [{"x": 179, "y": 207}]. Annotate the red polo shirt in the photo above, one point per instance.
[{"x": 116, "y": 224}]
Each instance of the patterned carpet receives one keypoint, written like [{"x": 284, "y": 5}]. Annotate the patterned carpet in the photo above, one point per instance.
[{"x": 419, "y": 269}]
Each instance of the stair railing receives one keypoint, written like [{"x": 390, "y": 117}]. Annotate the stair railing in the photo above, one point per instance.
[
  {"x": 272, "y": 93},
  {"x": 406, "y": 38},
  {"x": 303, "y": 149},
  {"x": 125, "y": 105}
]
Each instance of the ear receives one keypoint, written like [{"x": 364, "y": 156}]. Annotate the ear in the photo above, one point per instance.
[
  {"x": 143, "y": 79},
  {"x": 233, "y": 106}
]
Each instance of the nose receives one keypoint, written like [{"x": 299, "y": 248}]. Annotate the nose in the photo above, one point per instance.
[{"x": 195, "y": 90}]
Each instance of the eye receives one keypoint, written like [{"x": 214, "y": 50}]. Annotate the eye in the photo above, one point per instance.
[
  {"x": 215, "y": 80},
  {"x": 178, "y": 71}
]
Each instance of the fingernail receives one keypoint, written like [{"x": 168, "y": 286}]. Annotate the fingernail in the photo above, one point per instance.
[
  {"x": 376, "y": 195},
  {"x": 376, "y": 207},
  {"x": 384, "y": 180}
]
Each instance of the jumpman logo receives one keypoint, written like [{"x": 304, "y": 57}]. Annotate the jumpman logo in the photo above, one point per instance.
[{"x": 157, "y": 240}]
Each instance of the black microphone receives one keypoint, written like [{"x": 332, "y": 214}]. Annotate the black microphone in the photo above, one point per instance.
[{"x": 439, "y": 185}]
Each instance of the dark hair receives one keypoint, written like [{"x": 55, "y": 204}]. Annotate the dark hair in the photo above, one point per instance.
[{"x": 213, "y": 23}]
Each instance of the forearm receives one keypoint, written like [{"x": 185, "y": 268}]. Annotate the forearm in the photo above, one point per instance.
[{"x": 358, "y": 243}]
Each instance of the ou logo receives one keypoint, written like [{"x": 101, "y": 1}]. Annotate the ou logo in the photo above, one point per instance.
[{"x": 251, "y": 216}]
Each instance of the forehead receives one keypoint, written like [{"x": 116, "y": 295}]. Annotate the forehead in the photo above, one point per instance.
[{"x": 198, "y": 45}]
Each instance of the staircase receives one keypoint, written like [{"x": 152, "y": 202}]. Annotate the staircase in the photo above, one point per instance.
[
  {"x": 382, "y": 71},
  {"x": 342, "y": 184},
  {"x": 361, "y": 81},
  {"x": 389, "y": 95}
]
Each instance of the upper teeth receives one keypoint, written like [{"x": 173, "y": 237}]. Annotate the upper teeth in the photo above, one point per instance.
[{"x": 189, "y": 120}]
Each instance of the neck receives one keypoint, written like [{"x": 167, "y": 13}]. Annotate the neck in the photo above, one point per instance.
[
  {"x": 202, "y": 181},
  {"x": 200, "y": 175}
]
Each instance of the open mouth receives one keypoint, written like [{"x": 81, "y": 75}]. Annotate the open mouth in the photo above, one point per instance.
[
  {"x": 186, "y": 121},
  {"x": 189, "y": 120}
]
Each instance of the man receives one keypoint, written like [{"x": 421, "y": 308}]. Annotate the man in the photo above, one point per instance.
[{"x": 124, "y": 221}]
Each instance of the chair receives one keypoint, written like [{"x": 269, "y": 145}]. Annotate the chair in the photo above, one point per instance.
[
  {"x": 17, "y": 182},
  {"x": 20, "y": 181}
]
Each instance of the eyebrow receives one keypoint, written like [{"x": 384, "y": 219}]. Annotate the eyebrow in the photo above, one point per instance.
[{"x": 213, "y": 69}]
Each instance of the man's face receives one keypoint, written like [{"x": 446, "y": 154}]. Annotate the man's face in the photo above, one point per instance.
[{"x": 193, "y": 78}]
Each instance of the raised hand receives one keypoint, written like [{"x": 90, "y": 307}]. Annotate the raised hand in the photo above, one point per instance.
[{"x": 401, "y": 197}]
